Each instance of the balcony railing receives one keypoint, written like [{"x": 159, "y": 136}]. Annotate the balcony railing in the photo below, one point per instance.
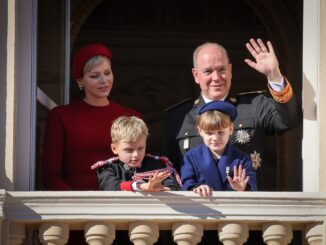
[{"x": 100, "y": 213}]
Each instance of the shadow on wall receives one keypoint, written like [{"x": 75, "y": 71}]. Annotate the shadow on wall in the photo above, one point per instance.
[
  {"x": 309, "y": 103},
  {"x": 5, "y": 170},
  {"x": 5, "y": 182}
]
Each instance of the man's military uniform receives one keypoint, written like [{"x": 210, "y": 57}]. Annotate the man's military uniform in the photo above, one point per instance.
[{"x": 259, "y": 115}]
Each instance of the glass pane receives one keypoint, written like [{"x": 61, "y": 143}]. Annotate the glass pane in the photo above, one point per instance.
[{"x": 51, "y": 63}]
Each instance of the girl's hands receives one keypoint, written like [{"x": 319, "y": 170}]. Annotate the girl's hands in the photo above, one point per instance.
[
  {"x": 203, "y": 190},
  {"x": 239, "y": 180}
]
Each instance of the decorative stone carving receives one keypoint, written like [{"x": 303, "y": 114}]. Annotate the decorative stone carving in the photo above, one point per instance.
[
  {"x": 54, "y": 233},
  {"x": 277, "y": 233},
  {"x": 143, "y": 233},
  {"x": 17, "y": 233},
  {"x": 99, "y": 233},
  {"x": 187, "y": 233},
  {"x": 314, "y": 234},
  {"x": 233, "y": 233}
]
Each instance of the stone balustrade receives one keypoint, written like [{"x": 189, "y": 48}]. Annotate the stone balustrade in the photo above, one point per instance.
[{"x": 100, "y": 214}]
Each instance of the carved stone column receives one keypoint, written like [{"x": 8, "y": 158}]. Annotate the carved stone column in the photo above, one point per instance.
[
  {"x": 187, "y": 233},
  {"x": 277, "y": 233},
  {"x": 233, "y": 233},
  {"x": 54, "y": 233},
  {"x": 314, "y": 234},
  {"x": 16, "y": 234},
  {"x": 143, "y": 233},
  {"x": 99, "y": 233}
]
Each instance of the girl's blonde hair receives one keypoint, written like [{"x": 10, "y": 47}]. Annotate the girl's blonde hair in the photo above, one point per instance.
[
  {"x": 128, "y": 128},
  {"x": 213, "y": 120}
]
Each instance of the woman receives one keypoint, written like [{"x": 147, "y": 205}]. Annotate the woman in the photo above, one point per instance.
[{"x": 76, "y": 134}]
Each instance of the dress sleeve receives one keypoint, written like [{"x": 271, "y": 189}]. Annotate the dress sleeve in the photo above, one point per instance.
[{"x": 52, "y": 155}]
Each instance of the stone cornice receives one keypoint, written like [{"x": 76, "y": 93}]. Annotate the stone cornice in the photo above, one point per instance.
[{"x": 164, "y": 207}]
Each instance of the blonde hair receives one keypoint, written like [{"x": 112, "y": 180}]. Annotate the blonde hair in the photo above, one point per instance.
[
  {"x": 94, "y": 61},
  {"x": 213, "y": 120},
  {"x": 128, "y": 128}
]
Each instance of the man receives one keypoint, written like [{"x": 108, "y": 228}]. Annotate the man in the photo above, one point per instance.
[{"x": 258, "y": 114}]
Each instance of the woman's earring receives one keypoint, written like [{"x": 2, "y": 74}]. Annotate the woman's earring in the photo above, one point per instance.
[{"x": 80, "y": 86}]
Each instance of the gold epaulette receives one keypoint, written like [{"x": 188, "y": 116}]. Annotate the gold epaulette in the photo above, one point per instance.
[{"x": 282, "y": 96}]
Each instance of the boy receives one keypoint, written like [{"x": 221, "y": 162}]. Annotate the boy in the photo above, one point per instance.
[
  {"x": 217, "y": 164},
  {"x": 132, "y": 170}
]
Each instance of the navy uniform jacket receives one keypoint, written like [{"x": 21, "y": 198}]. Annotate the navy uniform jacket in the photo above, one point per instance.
[
  {"x": 113, "y": 175},
  {"x": 199, "y": 167},
  {"x": 258, "y": 115}
]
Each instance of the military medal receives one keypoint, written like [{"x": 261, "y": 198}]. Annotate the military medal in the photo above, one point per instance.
[
  {"x": 242, "y": 136},
  {"x": 186, "y": 144},
  {"x": 256, "y": 160}
]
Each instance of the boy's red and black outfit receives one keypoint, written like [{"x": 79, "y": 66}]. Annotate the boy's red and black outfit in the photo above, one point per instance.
[{"x": 115, "y": 175}]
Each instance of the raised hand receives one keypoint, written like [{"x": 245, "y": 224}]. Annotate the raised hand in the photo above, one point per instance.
[
  {"x": 155, "y": 182},
  {"x": 266, "y": 60},
  {"x": 239, "y": 180}
]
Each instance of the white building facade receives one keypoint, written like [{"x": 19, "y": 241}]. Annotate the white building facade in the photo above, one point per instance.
[{"x": 18, "y": 99}]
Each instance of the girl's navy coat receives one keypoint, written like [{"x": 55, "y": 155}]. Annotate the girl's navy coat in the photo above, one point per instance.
[{"x": 199, "y": 167}]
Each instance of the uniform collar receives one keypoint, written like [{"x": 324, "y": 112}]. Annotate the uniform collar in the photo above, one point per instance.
[{"x": 208, "y": 100}]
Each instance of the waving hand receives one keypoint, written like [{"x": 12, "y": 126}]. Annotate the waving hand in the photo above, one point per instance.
[{"x": 265, "y": 59}]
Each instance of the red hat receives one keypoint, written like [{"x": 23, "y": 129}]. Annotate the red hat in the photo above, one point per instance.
[{"x": 84, "y": 54}]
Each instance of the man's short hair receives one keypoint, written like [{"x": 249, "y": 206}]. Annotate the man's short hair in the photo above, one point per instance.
[{"x": 199, "y": 48}]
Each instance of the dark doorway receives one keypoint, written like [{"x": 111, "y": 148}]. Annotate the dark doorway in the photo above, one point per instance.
[{"x": 152, "y": 44}]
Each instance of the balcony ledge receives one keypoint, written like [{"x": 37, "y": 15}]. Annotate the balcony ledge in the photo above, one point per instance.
[{"x": 254, "y": 208}]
